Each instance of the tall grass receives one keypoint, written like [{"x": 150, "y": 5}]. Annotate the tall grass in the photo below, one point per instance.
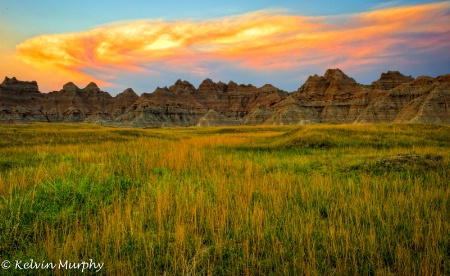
[{"x": 310, "y": 200}]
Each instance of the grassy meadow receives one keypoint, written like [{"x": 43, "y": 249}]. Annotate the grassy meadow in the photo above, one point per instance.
[{"x": 262, "y": 200}]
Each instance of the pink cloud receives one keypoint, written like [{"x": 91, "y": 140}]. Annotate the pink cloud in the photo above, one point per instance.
[{"x": 262, "y": 40}]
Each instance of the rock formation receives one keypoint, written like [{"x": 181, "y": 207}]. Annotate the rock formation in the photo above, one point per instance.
[
  {"x": 332, "y": 98},
  {"x": 390, "y": 80},
  {"x": 15, "y": 86},
  {"x": 19, "y": 101},
  {"x": 422, "y": 100}
]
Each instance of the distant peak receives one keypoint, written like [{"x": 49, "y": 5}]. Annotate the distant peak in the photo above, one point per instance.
[
  {"x": 161, "y": 89},
  {"x": 208, "y": 80},
  {"x": 232, "y": 84},
  {"x": 390, "y": 80},
  {"x": 336, "y": 75},
  {"x": 92, "y": 85},
  {"x": 247, "y": 85},
  {"x": 392, "y": 73},
  {"x": 180, "y": 85},
  {"x": 208, "y": 85},
  {"x": 128, "y": 93},
  {"x": 17, "y": 85},
  {"x": 268, "y": 87},
  {"x": 9, "y": 81},
  {"x": 70, "y": 86},
  {"x": 314, "y": 78},
  {"x": 182, "y": 82},
  {"x": 13, "y": 80}
]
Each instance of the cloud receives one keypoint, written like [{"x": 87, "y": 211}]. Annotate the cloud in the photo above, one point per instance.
[
  {"x": 385, "y": 5},
  {"x": 257, "y": 41}
]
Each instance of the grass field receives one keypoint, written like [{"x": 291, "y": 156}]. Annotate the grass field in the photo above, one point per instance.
[{"x": 309, "y": 200}]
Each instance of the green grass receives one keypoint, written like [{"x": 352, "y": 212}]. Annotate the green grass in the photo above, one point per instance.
[{"x": 309, "y": 200}]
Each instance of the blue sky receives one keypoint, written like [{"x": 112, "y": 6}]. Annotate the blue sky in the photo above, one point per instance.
[
  {"x": 29, "y": 27},
  {"x": 50, "y": 16}
]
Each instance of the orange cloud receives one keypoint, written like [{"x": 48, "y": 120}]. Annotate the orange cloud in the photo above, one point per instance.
[{"x": 259, "y": 41}]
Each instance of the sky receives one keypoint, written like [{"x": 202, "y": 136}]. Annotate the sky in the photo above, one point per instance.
[{"x": 146, "y": 44}]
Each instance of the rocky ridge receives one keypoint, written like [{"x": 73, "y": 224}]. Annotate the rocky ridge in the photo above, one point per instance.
[{"x": 332, "y": 98}]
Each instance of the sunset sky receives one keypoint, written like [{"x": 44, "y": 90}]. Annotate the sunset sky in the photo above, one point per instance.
[{"x": 145, "y": 44}]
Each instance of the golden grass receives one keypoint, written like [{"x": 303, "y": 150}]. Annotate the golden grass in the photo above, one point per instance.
[{"x": 312, "y": 200}]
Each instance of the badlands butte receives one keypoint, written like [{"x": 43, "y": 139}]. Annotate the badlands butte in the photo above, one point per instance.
[{"x": 332, "y": 98}]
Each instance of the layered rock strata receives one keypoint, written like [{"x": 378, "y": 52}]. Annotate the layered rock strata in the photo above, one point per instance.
[{"x": 332, "y": 98}]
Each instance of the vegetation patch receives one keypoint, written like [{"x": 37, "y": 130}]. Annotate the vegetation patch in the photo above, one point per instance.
[
  {"x": 289, "y": 200},
  {"x": 407, "y": 161},
  {"x": 402, "y": 162}
]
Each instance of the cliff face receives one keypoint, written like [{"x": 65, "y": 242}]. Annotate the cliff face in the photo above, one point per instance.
[
  {"x": 332, "y": 98},
  {"x": 390, "y": 80},
  {"x": 422, "y": 100},
  {"x": 19, "y": 101},
  {"x": 211, "y": 104}
]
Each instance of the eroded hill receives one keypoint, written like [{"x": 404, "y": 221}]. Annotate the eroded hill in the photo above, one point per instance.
[{"x": 332, "y": 98}]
